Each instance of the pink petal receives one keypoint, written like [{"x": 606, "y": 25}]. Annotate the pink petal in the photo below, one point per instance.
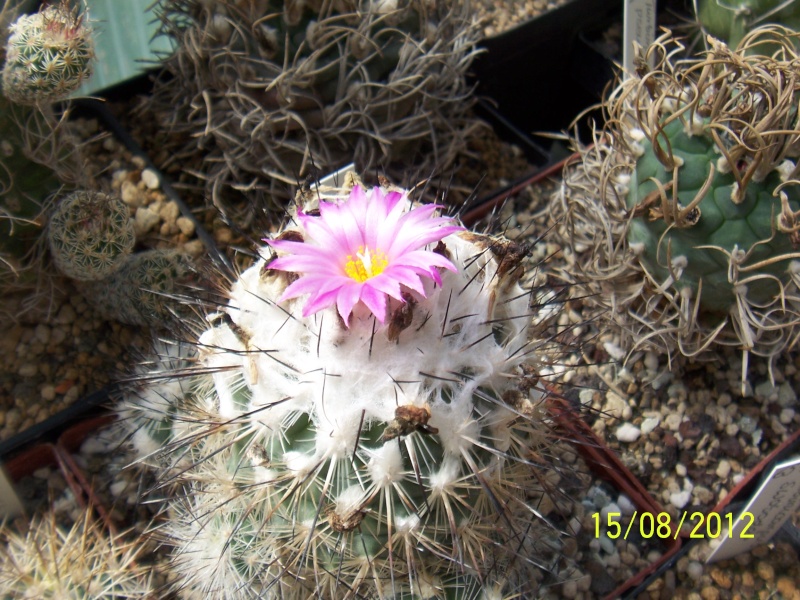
[
  {"x": 375, "y": 300},
  {"x": 346, "y": 299}
]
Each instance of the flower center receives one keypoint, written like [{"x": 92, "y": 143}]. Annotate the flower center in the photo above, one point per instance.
[{"x": 366, "y": 264}]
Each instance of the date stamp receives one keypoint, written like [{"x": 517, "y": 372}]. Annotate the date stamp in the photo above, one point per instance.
[{"x": 660, "y": 526}]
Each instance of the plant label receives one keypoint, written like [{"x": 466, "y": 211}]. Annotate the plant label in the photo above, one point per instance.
[
  {"x": 10, "y": 506},
  {"x": 638, "y": 25},
  {"x": 776, "y": 500}
]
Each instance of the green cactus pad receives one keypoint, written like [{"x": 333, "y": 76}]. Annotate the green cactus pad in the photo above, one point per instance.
[{"x": 723, "y": 226}]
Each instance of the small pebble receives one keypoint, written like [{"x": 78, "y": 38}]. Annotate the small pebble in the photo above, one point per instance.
[
  {"x": 680, "y": 499},
  {"x": 723, "y": 469},
  {"x": 627, "y": 433},
  {"x": 150, "y": 179}
]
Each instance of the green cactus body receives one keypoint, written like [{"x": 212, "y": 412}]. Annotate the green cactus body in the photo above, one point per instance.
[
  {"x": 48, "y": 55},
  {"x": 723, "y": 227},
  {"x": 89, "y": 234},
  {"x": 730, "y": 21},
  {"x": 382, "y": 461}
]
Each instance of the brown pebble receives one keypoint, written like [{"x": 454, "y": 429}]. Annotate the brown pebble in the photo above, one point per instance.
[
  {"x": 765, "y": 571},
  {"x": 786, "y": 586},
  {"x": 709, "y": 593},
  {"x": 722, "y": 578}
]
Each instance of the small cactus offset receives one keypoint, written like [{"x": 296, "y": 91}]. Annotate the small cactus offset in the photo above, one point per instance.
[
  {"x": 362, "y": 420},
  {"x": 141, "y": 290},
  {"x": 687, "y": 209},
  {"x": 268, "y": 92},
  {"x": 51, "y": 561},
  {"x": 89, "y": 234},
  {"x": 48, "y": 55}
]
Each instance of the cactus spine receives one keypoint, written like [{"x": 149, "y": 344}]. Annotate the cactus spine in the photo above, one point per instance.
[{"x": 371, "y": 440}]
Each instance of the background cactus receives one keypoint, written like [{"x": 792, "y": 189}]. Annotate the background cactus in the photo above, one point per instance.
[
  {"x": 730, "y": 22},
  {"x": 141, "y": 290},
  {"x": 82, "y": 561},
  {"x": 259, "y": 95},
  {"x": 89, "y": 233},
  {"x": 686, "y": 209},
  {"x": 387, "y": 446},
  {"x": 48, "y": 55}
]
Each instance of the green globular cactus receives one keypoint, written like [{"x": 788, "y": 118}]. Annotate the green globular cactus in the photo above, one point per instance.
[
  {"x": 49, "y": 560},
  {"x": 730, "y": 21},
  {"x": 263, "y": 94},
  {"x": 687, "y": 210},
  {"x": 140, "y": 291},
  {"x": 48, "y": 55},
  {"x": 89, "y": 234},
  {"x": 363, "y": 420}
]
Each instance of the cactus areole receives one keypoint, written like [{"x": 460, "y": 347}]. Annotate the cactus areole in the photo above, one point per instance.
[
  {"x": 725, "y": 227},
  {"x": 362, "y": 425}
]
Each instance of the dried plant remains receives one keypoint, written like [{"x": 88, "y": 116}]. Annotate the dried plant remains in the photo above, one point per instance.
[{"x": 260, "y": 95}]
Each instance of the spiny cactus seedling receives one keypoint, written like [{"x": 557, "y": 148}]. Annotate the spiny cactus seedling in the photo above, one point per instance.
[
  {"x": 363, "y": 419},
  {"x": 265, "y": 92},
  {"x": 141, "y": 291},
  {"x": 89, "y": 234},
  {"x": 48, "y": 55},
  {"x": 52, "y": 561},
  {"x": 687, "y": 211}
]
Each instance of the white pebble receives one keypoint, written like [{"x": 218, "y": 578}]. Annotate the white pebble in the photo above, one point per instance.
[
  {"x": 569, "y": 589},
  {"x": 649, "y": 424},
  {"x": 723, "y": 469},
  {"x": 651, "y": 361},
  {"x": 680, "y": 499},
  {"x": 787, "y": 416},
  {"x": 609, "y": 508},
  {"x": 680, "y": 470},
  {"x": 187, "y": 228},
  {"x": 145, "y": 220},
  {"x": 694, "y": 570},
  {"x": 586, "y": 396},
  {"x": 673, "y": 421},
  {"x": 150, "y": 179},
  {"x": 787, "y": 396},
  {"x": 117, "y": 488},
  {"x": 625, "y": 504},
  {"x": 628, "y": 432},
  {"x": 48, "y": 392}
]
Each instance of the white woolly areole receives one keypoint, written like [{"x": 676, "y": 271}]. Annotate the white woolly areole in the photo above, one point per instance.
[{"x": 463, "y": 336}]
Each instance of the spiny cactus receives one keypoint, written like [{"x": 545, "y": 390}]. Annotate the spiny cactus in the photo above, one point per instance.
[
  {"x": 52, "y": 561},
  {"x": 89, "y": 234},
  {"x": 140, "y": 291},
  {"x": 266, "y": 93},
  {"x": 686, "y": 212},
  {"x": 362, "y": 420},
  {"x": 48, "y": 55}
]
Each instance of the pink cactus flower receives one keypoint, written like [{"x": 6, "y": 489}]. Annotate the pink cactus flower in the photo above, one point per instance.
[{"x": 363, "y": 249}]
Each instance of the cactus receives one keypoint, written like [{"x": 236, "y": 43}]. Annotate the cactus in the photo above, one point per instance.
[
  {"x": 362, "y": 420},
  {"x": 140, "y": 290},
  {"x": 48, "y": 55},
  {"x": 686, "y": 210},
  {"x": 730, "y": 22},
  {"x": 52, "y": 561},
  {"x": 89, "y": 233},
  {"x": 266, "y": 93}
]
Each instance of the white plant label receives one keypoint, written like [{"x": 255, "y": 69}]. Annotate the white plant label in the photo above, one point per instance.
[
  {"x": 773, "y": 504},
  {"x": 639, "y": 25},
  {"x": 10, "y": 506}
]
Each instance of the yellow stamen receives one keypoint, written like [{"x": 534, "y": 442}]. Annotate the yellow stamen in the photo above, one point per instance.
[{"x": 366, "y": 264}]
